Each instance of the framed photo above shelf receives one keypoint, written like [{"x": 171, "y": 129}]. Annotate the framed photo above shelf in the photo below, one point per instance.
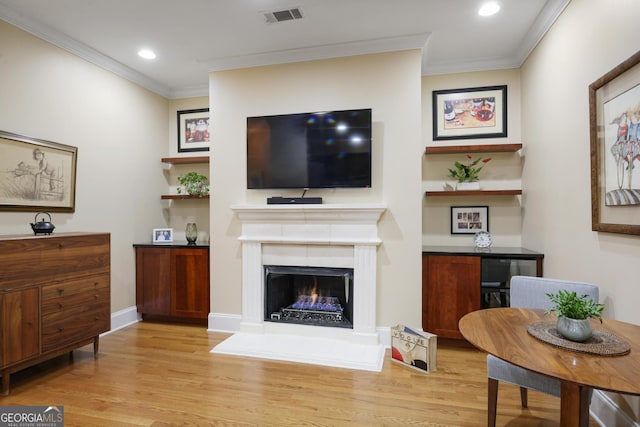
[
  {"x": 193, "y": 130},
  {"x": 470, "y": 113}
]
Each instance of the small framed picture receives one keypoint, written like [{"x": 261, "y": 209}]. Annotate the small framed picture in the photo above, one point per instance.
[
  {"x": 469, "y": 219},
  {"x": 193, "y": 130},
  {"x": 162, "y": 235}
]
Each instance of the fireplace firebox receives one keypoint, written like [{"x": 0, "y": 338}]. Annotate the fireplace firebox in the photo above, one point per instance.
[{"x": 318, "y": 296}]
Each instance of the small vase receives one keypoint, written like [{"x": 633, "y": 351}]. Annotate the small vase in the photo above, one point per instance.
[
  {"x": 574, "y": 329},
  {"x": 191, "y": 233},
  {"x": 468, "y": 185}
]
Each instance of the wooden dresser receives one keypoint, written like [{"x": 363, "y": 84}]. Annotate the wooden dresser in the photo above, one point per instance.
[{"x": 55, "y": 296}]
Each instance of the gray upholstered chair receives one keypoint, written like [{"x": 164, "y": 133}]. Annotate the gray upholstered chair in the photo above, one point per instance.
[{"x": 529, "y": 292}]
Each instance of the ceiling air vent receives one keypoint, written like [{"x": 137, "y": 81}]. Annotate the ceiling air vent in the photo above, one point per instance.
[{"x": 283, "y": 15}]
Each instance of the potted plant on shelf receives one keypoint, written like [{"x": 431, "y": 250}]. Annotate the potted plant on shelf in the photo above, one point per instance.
[
  {"x": 573, "y": 314},
  {"x": 466, "y": 175},
  {"x": 193, "y": 184}
]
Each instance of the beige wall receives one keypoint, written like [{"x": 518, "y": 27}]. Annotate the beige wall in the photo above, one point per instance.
[
  {"x": 503, "y": 171},
  {"x": 178, "y": 213},
  {"x": 120, "y": 130},
  {"x": 589, "y": 39},
  {"x": 387, "y": 83}
]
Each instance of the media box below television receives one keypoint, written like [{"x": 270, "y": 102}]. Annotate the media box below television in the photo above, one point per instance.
[{"x": 277, "y": 200}]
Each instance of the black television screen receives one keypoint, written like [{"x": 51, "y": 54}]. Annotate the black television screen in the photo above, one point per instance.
[{"x": 328, "y": 149}]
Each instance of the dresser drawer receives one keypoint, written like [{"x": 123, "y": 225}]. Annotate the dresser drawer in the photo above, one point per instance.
[
  {"x": 67, "y": 330},
  {"x": 75, "y": 296},
  {"x": 75, "y": 310}
]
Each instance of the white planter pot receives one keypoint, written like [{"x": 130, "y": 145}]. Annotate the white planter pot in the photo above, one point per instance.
[
  {"x": 473, "y": 185},
  {"x": 574, "y": 330}
]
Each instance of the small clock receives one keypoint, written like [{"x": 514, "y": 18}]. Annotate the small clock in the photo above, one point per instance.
[{"x": 482, "y": 239}]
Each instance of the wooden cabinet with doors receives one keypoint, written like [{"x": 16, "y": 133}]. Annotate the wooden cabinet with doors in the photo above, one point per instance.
[
  {"x": 459, "y": 280},
  {"x": 55, "y": 297},
  {"x": 172, "y": 281}
]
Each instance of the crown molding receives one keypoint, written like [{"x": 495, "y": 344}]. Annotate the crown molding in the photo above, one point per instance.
[
  {"x": 81, "y": 50},
  {"x": 541, "y": 25}
]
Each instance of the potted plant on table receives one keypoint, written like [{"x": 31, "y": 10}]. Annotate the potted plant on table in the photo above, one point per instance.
[
  {"x": 573, "y": 312},
  {"x": 466, "y": 175},
  {"x": 193, "y": 184}
]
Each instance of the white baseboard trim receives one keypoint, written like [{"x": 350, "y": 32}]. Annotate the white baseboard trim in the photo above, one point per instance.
[
  {"x": 123, "y": 318},
  {"x": 222, "y": 322},
  {"x": 607, "y": 413}
]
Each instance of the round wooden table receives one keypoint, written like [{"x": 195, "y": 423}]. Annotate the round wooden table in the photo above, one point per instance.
[{"x": 502, "y": 332}]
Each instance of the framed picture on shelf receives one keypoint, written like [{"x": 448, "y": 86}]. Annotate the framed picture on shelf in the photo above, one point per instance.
[
  {"x": 162, "y": 235},
  {"x": 193, "y": 130},
  {"x": 477, "y": 112},
  {"x": 469, "y": 219},
  {"x": 36, "y": 175},
  {"x": 614, "y": 120}
]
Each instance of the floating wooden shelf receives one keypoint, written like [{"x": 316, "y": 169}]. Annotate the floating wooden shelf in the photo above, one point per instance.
[
  {"x": 185, "y": 160},
  {"x": 181, "y": 196},
  {"x": 474, "y": 193},
  {"x": 492, "y": 148}
]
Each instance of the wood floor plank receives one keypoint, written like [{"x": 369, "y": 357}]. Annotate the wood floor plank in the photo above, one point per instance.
[{"x": 158, "y": 374}]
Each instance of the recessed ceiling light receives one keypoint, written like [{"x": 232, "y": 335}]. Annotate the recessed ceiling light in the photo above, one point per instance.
[
  {"x": 488, "y": 9},
  {"x": 146, "y": 54}
]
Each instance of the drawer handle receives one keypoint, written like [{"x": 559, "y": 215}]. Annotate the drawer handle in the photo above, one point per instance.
[
  {"x": 60, "y": 329},
  {"x": 59, "y": 305},
  {"x": 60, "y": 291}
]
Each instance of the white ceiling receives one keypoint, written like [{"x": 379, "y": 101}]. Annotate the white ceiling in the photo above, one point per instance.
[{"x": 194, "y": 37}]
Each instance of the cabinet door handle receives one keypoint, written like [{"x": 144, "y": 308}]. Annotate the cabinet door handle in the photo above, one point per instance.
[{"x": 60, "y": 305}]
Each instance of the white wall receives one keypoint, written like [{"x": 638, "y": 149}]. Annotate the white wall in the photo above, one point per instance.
[
  {"x": 120, "y": 130},
  {"x": 387, "y": 83},
  {"x": 590, "y": 38}
]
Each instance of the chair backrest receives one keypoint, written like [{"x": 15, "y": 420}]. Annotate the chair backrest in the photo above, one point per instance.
[{"x": 530, "y": 292}]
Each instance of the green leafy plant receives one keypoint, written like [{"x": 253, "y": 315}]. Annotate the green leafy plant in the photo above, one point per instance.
[
  {"x": 569, "y": 304},
  {"x": 193, "y": 184},
  {"x": 468, "y": 172}
]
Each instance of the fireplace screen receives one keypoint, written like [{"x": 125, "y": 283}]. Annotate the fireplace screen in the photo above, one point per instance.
[{"x": 309, "y": 295}]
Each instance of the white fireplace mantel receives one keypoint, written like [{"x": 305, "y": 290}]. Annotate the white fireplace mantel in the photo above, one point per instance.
[
  {"x": 336, "y": 224},
  {"x": 322, "y": 235}
]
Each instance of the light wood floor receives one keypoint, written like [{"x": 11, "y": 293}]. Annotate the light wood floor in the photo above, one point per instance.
[{"x": 156, "y": 374}]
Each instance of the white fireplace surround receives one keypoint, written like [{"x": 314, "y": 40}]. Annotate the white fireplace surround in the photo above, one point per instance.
[{"x": 322, "y": 235}]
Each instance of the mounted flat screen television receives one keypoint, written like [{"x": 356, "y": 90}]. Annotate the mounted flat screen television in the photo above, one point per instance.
[{"x": 329, "y": 149}]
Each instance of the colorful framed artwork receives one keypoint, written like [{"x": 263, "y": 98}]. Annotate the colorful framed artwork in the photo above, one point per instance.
[
  {"x": 36, "y": 175},
  {"x": 614, "y": 120},
  {"x": 193, "y": 130},
  {"x": 469, "y": 219},
  {"x": 478, "y": 112}
]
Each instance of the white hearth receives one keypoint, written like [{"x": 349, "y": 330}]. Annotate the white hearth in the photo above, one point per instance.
[{"x": 343, "y": 236}]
